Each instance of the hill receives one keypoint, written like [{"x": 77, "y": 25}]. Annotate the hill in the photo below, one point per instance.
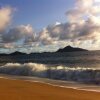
[{"x": 71, "y": 49}]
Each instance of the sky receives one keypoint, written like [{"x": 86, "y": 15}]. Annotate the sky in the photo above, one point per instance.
[
  {"x": 38, "y": 13},
  {"x": 47, "y": 25}
]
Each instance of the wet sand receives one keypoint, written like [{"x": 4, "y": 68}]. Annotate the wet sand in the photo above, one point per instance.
[{"x": 25, "y": 90}]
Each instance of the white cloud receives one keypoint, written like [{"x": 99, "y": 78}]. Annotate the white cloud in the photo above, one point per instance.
[
  {"x": 5, "y": 17},
  {"x": 97, "y": 0},
  {"x": 82, "y": 27}
]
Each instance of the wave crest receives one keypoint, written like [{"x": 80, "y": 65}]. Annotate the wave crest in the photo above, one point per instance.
[{"x": 79, "y": 74}]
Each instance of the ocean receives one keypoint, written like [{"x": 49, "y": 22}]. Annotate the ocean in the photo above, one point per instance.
[{"x": 81, "y": 67}]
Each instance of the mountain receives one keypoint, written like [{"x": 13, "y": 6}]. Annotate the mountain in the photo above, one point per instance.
[
  {"x": 71, "y": 49},
  {"x": 17, "y": 53},
  {"x": 66, "y": 49}
]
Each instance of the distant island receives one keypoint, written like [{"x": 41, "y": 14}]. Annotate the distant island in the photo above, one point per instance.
[
  {"x": 65, "y": 49},
  {"x": 71, "y": 49}
]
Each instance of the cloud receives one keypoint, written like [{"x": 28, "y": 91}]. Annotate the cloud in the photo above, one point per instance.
[
  {"x": 5, "y": 17},
  {"x": 44, "y": 37},
  {"x": 10, "y": 36},
  {"x": 18, "y": 37},
  {"x": 18, "y": 33},
  {"x": 83, "y": 25},
  {"x": 98, "y": 1}
]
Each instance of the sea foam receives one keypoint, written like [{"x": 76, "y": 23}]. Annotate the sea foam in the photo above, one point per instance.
[{"x": 79, "y": 74}]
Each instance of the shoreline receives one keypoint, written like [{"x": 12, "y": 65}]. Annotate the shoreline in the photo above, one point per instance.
[
  {"x": 55, "y": 83},
  {"x": 17, "y": 89}
]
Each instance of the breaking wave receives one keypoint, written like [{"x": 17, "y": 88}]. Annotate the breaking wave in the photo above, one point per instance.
[{"x": 79, "y": 74}]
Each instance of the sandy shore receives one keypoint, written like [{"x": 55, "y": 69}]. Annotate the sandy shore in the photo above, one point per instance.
[{"x": 24, "y": 90}]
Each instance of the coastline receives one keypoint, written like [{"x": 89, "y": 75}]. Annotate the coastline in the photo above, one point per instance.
[{"x": 55, "y": 83}]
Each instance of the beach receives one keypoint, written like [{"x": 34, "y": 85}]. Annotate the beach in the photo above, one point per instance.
[{"x": 27, "y": 90}]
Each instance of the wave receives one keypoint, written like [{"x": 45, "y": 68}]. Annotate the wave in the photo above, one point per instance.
[{"x": 79, "y": 74}]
